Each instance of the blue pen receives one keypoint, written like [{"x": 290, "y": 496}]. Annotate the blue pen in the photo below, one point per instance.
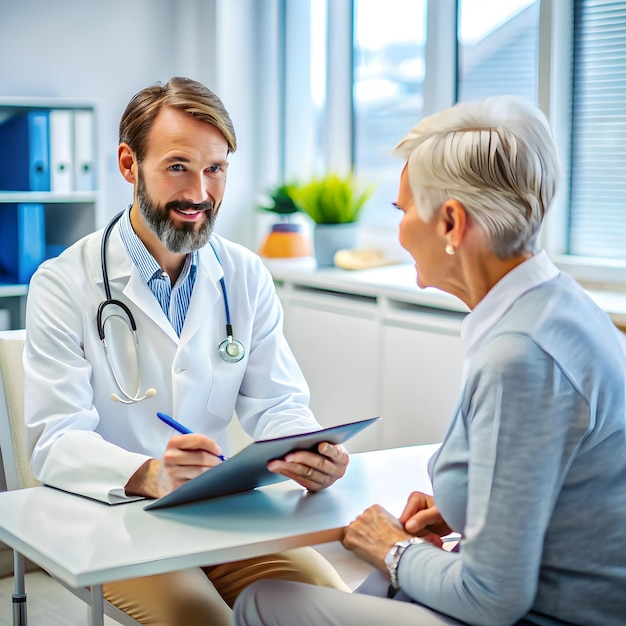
[{"x": 170, "y": 421}]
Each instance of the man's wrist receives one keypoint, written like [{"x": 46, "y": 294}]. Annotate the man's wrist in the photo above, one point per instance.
[
  {"x": 392, "y": 560},
  {"x": 144, "y": 481}
]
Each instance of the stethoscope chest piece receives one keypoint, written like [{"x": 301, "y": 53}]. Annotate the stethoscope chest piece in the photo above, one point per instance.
[{"x": 231, "y": 350}]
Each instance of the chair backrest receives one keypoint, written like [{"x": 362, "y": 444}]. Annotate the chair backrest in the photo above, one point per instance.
[
  {"x": 13, "y": 438},
  {"x": 12, "y": 435}
]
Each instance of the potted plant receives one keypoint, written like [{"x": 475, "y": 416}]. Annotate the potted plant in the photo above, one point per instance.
[
  {"x": 334, "y": 204},
  {"x": 285, "y": 239}
]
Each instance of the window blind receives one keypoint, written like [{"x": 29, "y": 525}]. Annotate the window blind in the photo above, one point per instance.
[{"x": 597, "y": 224}]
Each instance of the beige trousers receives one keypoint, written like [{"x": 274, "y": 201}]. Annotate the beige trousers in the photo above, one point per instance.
[{"x": 205, "y": 596}]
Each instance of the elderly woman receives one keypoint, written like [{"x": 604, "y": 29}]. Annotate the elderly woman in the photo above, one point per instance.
[{"x": 532, "y": 472}]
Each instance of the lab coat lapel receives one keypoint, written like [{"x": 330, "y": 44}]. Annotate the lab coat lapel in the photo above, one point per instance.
[
  {"x": 206, "y": 296},
  {"x": 125, "y": 276},
  {"x": 137, "y": 291}
]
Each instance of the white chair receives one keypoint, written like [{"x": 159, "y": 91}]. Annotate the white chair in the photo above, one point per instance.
[{"x": 16, "y": 464}]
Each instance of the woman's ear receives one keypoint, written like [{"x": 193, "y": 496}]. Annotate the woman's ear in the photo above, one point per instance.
[
  {"x": 127, "y": 162},
  {"x": 454, "y": 221}
]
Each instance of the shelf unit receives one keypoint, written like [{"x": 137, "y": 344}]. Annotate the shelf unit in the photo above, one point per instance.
[{"x": 68, "y": 215}]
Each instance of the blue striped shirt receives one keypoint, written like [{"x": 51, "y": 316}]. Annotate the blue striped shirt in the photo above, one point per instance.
[{"x": 174, "y": 300}]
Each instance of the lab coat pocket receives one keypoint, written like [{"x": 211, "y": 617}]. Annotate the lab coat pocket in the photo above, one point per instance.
[{"x": 227, "y": 379}]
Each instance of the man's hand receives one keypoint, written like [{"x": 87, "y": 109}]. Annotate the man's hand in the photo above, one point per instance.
[
  {"x": 185, "y": 457},
  {"x": 313, "y": 470}
]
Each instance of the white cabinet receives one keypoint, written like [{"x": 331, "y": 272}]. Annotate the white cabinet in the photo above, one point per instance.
[
  {"x": 334, "y": 338},
  {"x": 367, "y": 354},
  {"x": 70, "y": 203},
  {"x": 421, "y": 365}
]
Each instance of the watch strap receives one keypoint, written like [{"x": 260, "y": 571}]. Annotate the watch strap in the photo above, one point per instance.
[{"x": 392, "y": 560}]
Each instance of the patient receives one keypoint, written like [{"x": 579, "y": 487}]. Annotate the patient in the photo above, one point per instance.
[{"x": 532, "y": 472}]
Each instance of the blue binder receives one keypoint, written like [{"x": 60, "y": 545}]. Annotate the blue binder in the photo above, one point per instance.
[
  {"x": 25, "y": 152},
  {"x": 22, "y": 241}
]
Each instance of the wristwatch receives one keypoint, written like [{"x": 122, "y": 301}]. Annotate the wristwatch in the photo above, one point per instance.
[{"x": 392, "y": 560}]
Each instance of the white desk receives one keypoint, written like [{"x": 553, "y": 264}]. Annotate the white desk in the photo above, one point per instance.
[{"x": 86, "y": 543}]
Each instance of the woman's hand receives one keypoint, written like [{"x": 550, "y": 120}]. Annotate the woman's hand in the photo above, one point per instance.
[
  {"x": 371, "y": 535},
  {"x": 313, "y": 470},
  {"x": 421, "y": 516}
]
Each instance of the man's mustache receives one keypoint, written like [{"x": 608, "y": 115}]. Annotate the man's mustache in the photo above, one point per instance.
[{"x": 179, "y": 205}]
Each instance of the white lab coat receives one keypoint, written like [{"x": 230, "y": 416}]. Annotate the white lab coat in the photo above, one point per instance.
[{"x": 82, "y": 441}]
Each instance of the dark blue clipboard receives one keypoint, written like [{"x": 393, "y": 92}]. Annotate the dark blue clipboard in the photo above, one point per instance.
[{"x": 247, "y": 470}]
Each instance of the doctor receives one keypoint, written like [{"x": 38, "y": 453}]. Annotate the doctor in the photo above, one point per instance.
[{"x": 208, "y": 342}]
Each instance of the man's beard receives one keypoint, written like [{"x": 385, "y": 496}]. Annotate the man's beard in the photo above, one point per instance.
[{"x": 178, "y": 239}]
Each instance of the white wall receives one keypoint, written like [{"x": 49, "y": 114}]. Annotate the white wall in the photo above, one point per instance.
[{"x": 106, "y": 51}]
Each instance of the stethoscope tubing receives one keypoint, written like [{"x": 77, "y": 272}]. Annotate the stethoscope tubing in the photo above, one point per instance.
[
  {"x": 230, "y": 350},
  {"x": 229, "y": 329}
]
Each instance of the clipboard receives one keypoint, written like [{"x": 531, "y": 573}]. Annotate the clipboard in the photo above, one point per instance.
[{"x": 247, "y": 470}]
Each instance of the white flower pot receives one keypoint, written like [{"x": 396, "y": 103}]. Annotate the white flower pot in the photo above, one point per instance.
[{"x": 329, "y": 238}]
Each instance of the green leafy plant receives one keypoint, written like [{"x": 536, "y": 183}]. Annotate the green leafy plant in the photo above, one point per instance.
[
  {"x": 281, "y": 201},
  {"x": 332, "y": 199}
]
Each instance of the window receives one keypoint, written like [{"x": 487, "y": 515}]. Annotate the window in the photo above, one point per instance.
[
  {"x": 387, "y": 92},
  {"x": 416, "y": 57},
  {"x": 498, "y": 45},
  {"x": 597, "y": 224}
]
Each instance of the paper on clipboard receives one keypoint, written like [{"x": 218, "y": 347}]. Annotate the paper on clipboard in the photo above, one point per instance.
[{"x": 248, "y": 469}]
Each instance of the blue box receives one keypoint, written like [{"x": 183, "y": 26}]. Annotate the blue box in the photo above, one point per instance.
[{"x": 22, "y": 240}]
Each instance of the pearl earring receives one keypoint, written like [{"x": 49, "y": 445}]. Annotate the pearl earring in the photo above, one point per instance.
[{"x": 450, "y": 249}]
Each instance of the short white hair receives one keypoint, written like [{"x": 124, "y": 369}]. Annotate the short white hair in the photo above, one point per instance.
[{"x": 496, "y": 157}]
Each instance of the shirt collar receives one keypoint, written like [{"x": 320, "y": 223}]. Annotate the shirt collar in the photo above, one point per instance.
[
  {"x": 491, "y": 309},
  {"x": 142, "y": 259}
]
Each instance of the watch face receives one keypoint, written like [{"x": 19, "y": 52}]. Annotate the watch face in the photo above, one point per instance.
[
  {"x": 398, "y": 548},
  {"x": 395, "y": 550}
]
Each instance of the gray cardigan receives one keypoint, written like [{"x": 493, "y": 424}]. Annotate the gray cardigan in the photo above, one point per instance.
[{"x": 533, "y": 469}]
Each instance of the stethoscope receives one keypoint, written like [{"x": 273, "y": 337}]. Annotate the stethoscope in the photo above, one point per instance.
[{"x": 230, "y": 350}]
